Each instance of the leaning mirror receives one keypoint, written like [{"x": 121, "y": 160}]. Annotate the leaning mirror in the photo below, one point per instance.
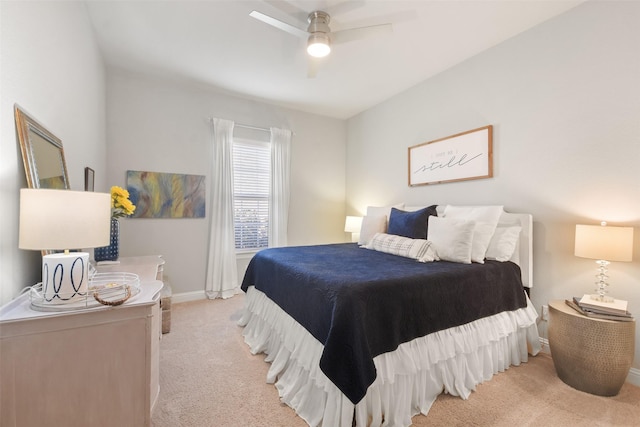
[{"x": 42, "y": 154}]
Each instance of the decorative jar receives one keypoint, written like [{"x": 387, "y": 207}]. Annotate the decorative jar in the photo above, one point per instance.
[{"x": 111, "y": 252}]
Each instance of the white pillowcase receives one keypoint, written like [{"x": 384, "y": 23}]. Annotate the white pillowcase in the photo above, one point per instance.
[
  {"x": 418, "y": 249},
  {"x": 452, "y": 238},
  {"x": 383, "y": 210},
  {"x": 372, "y": 222},
  {"x": 503, "y": 243},
  {"x": 370, "y": 226},
  {"x": 486, "y": 219}
]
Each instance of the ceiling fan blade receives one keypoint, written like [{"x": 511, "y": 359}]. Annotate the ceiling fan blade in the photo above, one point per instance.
[
  {"x": 281, "y": 25},
  {"x": 290, "y": 9},
  {"x": 344, "y": 7},
  {"x": 312, "y": 68},
  {"x": 314, "y": 64},
  {"x": 352, "y": 34}
]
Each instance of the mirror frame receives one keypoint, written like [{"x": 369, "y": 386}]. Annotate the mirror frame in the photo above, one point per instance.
[{"x": 27, "y": 126}]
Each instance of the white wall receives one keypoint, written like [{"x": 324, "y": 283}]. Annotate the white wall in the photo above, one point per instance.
[
  {"x": 162, "y": 126},
  {"x": 564, "y": 99},
  {"x": 50, "y": 65}
]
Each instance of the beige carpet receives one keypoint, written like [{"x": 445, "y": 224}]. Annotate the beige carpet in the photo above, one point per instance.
[{"x": 208, "y": 377}]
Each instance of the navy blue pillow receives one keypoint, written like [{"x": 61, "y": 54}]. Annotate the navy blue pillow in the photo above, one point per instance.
[{"x": 410, "y": 224}]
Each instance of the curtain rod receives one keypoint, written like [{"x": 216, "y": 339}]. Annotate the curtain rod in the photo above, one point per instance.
[{"x": 240, "y": 125}]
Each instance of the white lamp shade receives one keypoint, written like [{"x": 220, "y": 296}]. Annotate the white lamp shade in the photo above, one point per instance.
[
  {"x": 63, "y": 219},
  {"x": 353, "y": 224},
  {"x": 604, "y": 242}
]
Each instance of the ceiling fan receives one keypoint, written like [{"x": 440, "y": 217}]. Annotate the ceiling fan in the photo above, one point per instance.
[{"x": 318, "y": 34}]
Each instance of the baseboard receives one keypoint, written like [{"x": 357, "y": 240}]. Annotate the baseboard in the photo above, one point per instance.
[
  {"x": 632, "y": 378},
  {"x": 545, "y": 346},
  {"x": 188, "y": 296}
]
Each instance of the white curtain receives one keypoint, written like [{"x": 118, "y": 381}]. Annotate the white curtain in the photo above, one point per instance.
[
  {"x": 279, "y": 194},
  {"x": 222, "y": 272}
]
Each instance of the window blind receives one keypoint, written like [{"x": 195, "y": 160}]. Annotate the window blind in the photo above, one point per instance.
[{"x": 251, "y": 173}]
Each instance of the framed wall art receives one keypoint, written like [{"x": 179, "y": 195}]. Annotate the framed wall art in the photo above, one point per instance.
[
  {"x": 463, "y": 156},
  {"x": 166, "y": 195},
  {"x": 89, "y": 179}
]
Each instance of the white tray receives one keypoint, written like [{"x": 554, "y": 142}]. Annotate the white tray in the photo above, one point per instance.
[{"x": 107, "y": 286}]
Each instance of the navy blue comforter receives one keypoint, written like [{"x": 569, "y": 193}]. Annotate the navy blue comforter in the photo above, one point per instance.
[{"x": 361, "y": 303}]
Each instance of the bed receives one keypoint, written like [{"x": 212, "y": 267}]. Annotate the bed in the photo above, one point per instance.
[{"x": 371, "y": 333}]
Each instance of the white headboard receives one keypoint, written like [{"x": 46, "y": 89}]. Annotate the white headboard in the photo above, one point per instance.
[{"x": 523, "y": 255}]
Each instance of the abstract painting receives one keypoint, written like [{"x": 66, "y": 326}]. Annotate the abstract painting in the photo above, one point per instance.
[{"x": 166, "y": 195}]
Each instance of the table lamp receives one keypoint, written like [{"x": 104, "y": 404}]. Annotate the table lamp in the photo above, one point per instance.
[
  {"x": 352, "y": 225},
  {"x": 604, "y": 244},
  {"x": 63, "y": 220}
]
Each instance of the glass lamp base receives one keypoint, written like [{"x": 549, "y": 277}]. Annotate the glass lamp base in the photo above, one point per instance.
[
  {"x": 601, "y": 282},
  {"x": 601, "y": 298}
]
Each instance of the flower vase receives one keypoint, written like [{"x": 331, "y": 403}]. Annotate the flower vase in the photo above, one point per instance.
[{"x": 111, "y": 252}]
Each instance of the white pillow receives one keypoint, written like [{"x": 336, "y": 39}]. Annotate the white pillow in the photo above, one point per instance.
[
  {"x": 370, "y": 226},
  {"x": 486, "y": 218},
  {"x": 383, "y": 210},
  {"x": 452, "y": 238},
  {"x": 503, "y": 243},
  {"x": 418, "y": 249}
]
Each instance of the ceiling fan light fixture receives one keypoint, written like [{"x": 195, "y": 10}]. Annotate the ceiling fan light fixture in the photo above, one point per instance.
[{"x": 318, "y": 45}]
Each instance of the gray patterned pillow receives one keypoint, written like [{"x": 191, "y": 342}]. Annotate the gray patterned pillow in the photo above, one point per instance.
[{"x": 418, "y": 249}]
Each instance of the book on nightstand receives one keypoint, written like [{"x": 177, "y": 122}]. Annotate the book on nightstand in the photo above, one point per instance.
[
  {"x": 598, "y": 314},
  {"x": 617, "y": 306}
]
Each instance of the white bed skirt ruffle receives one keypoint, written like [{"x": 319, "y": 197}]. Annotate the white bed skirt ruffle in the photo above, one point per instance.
[{"x": 408, "y": 380}]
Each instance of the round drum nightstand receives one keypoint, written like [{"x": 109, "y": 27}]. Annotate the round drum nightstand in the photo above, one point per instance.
[{"x": 591, "y": 355}]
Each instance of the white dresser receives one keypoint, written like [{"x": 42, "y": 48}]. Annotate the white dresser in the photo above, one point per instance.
[
  {"x": 92, "y": 367},
  {"x": 148, "y": 267}
]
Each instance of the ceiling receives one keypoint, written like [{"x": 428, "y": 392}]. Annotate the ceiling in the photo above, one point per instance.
[{"x": 217, "y": 43}]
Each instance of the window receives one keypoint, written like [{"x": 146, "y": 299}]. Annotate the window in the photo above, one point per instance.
[{"x": 251, "y": 174}]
